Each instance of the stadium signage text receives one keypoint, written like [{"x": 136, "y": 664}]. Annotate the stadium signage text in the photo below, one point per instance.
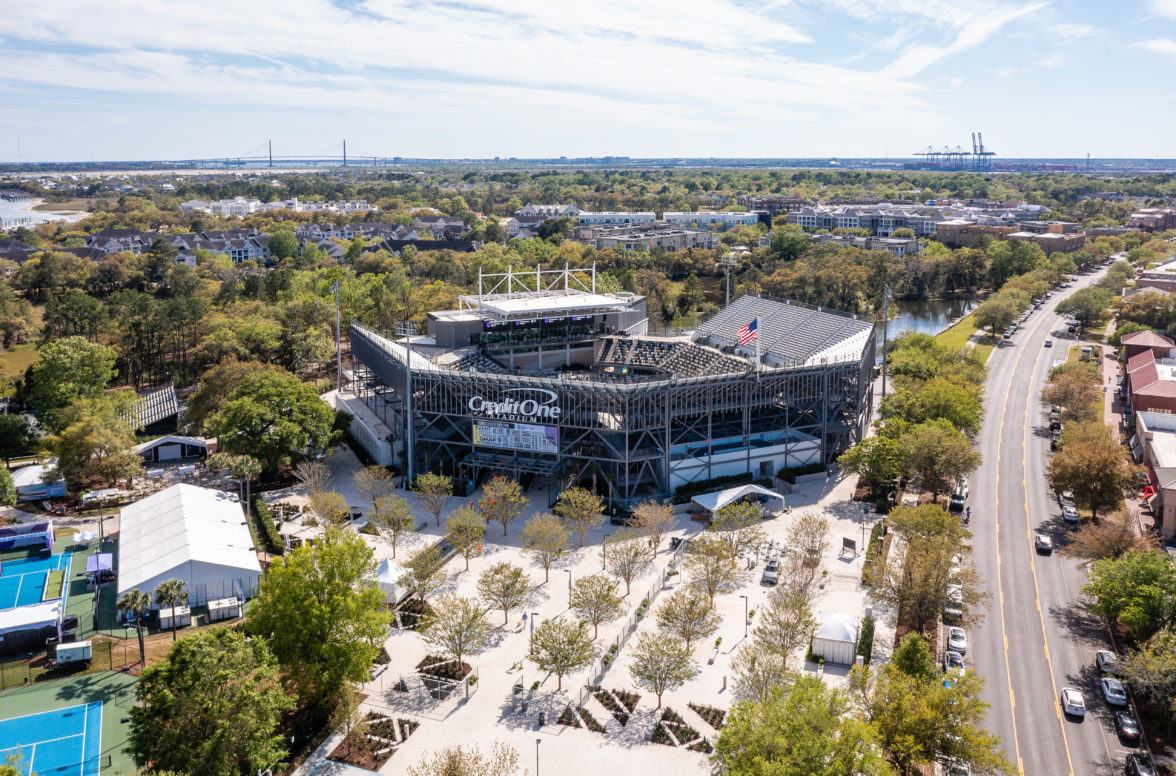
[{"x": 527, "y": 410}]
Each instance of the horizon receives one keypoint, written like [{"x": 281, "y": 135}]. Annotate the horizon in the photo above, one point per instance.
[{"x": 777, "y": 79}]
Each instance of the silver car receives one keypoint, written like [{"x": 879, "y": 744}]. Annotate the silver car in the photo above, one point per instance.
[
  {"x": 957, "y": 640},
  {"x": 771, "y": 572},
  {"x": 1113, "y": 691}
]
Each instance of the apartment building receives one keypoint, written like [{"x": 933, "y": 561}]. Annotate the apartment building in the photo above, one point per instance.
[
  {"x": 667, "y": 237},
  {"x": 773, "y": 206},
  {"x": 615, "y": 218},
  {"x": 1153, "y": 219},
  {"x": 710, "y": 219}
]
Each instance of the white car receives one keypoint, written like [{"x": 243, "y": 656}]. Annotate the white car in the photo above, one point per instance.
[
  {"x": 957, "y": 640},
  {"x": 1113, "y": 691},
  {"x": 1073, "y": 703},
  {"x": 1042, "y": 543},
  {"x": 1069, "y": 514},
  {"x": 953, "y": 661}
]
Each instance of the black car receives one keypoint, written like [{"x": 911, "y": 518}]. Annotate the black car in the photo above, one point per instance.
[
  {"x": 1053, "y": 442},
  {"x": 622, "y": 518},
  {"x": 1139, "y": 765},
  {"x": 1127, "y": 727},
  {"x": 1055, "y": 424}
]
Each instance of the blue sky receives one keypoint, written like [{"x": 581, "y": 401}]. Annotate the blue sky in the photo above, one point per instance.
[{"x": 159, "y": 79}]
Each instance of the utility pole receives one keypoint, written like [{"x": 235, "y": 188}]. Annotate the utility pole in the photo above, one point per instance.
[
  {"x": 407, "y": 329},
  {"x": 885, "y": 325},
  {"x": 727, "y": 264},
  {"x": 338, "y": 343}
]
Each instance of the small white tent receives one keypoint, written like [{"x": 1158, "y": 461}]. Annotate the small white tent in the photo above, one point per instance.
[
  {"x": 189, "y": 533},
  {"x": 713, "y": 502},
  {"x": 836, "y": 638},
  {"x": 388, "y": 580}
]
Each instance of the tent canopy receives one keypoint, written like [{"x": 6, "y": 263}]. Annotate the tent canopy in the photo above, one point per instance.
[
  {"x": 103, "y": 561},
  {"x": 388, "y": 580},
  {"x": 33, "y": 616},
  {"x": 713, "y": 502},
  {"x": 836, "y": 627}
]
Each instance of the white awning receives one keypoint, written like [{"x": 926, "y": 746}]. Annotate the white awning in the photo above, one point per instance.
[
  {"x": 713, "y": 502},
  {"x": 32, "y": 616}
]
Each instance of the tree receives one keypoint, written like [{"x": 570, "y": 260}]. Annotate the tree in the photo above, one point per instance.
[
  {"x": 1075, "y": 392},
  {"x": 345, "y": 715},
  {"x": 391, "y": 516},
  {"x": 756, "y": 673},
  {"x": 920, "y": 720},
  {"x": 169, "y": 594},
  {"x": 502, "y": 501},
  {"x": 74, "y": 314},
  {"x": 1112, "y": 537},
  {"x": 1151, "y": 672},
  {"x": 802, "y": 730},
  {"x": 16, "y": 437},
  {"x": 69, "y": 369},
  {"x": 283, "y": 244},
  {"x": 1085, "y": 304},
  {"x": 789, "y": 241},
  {"x": 322, "y": 612},
  {"x": 877, "y": 460},
  {"x": 211, "y": 707},
  {"x": 686, "y": 614},
  {"x": 136, "y": 603},
  {"x": 995, "y": 314},
  {"x": 660, "y": 662},
  {"x": 627, "y": 557},
  {"x": 594, "y": 602},
  {"x": 457, "y": 626},
  {"x": 424, "y": 573},
  {"x": 244, "y": 467},
  {"x": 314, "y": 476},
  {"x": 94, "y": 439},
  {"x": 808, "y": 541},
  {"x": 546, "y": 539},
  {"x": 465, "y": 529},
  {"x": 1138, "y": 590},
  {"x": 275, "y": 417},
  {"x": 785, "y": 623},
  {"x": 505, "y": 586},
  {"x": 373, "y": 482},
  {"x": 1094, "y": 468},
  {"x": 329, "y": 507},
  {"x": 581, "y": 510},
  {"x": 560, "y": 647},
  {"x": 914, "y": 658},
  {"x": 737, "y": 524},
  {"x": 7, "y": 488},
  {"x": 919, "y": 578},
  {"x": 936, "y": 451},
  {"x": 711, "y": 565},
  {"x": 933, "y": 399},
  {"x": 653, "y": 521},
  {"x": 462, "y": 761},
  {"x": 433, "y": 491},
  {"x": 217, "y": 385}
]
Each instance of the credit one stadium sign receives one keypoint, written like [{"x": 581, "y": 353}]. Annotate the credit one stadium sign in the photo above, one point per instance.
[{"x": 538, "y": 405}]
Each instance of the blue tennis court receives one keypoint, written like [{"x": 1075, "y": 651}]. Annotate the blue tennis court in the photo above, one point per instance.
[
  {"x": 65, "y": 742},
  {"x": 22, "y": 581}
]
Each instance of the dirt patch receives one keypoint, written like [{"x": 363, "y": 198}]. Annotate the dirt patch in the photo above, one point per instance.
[{"x": 363, "y": 751}]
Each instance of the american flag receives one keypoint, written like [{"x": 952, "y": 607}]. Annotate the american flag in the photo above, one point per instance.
[{"x": 748, "y": 333}]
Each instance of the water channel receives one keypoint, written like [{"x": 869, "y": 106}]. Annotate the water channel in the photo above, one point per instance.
[{"x": 926, "y": 316}]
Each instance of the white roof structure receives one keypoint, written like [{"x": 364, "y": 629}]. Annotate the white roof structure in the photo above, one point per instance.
[
  {"x": 570, "y": 301},
  {"x": 32, "y": 475},
  {"x": 186, "y": 532},
  {"x": 388, "y": 580},
  {"x": 713, "y": 502},
  {"x": 836, "y": 627},
  {"x": 170, "y": 439},
  {"x": 32, "y": 616}
]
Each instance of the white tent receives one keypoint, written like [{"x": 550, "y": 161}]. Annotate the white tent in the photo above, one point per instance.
[
  {"x": 388, "y": 580},
  {"x": 30, "y": 482},
  {"x": 190, "y": 533},
  {"x": 836, "y": 638},
  {"x": 172, "y": 447},
  {"x": 713, "y": 502}
]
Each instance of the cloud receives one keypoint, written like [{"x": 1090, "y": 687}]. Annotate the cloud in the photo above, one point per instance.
[
  {"x": 1163, "y": 8},
  {"x": 1165, "y": 46},
  {"x": 1053, "y": 60},
  {"x": 972, "y": 32}
]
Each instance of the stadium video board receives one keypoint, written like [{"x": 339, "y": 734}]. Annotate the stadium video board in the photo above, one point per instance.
[{"x": 525, "y": 437}]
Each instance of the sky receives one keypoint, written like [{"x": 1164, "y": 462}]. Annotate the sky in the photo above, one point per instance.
[{"x": 160, "y": 79}]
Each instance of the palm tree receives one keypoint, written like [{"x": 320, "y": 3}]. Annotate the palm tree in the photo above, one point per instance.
[
  {"x": 247, "y": 468},
  {"x": 170, "y": 594},
  {"x": 135, "y": 602}
]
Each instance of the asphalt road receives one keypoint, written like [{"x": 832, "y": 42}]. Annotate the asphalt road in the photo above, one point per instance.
[{"x": 1037, "y": 635}]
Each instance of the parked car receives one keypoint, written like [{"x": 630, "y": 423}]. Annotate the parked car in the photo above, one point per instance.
[
  {"x": 1128, "y": 728},
  {"x": 1053, "y": 441},
  {"x": 1069, "y": 514},
  {"x": 962, "y": 487},
  {"x": 622, "y": 518},
  {"x": 1106, "y": 661},
  {"x": 1073, "y": 703},
  {"x": 1055, "y": 424},
  {"x": 1113, "y": 691},
  {"x": 1065, "y": 498},
  {"x": 1139, "y": 765},
  {"x": 1042, "y": 543},
  {"x": 957, "y": 503},
  {"x": 771, "y": 573},
  {"x": 953, "y": 661},
  {"x": 957, "y": 640}
]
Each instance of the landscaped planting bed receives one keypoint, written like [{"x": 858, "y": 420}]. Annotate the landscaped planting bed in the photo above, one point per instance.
[
  {"x": 568, "y": 717},
  {"x": 407, "y": 727},
  {"x": 683, "y": 732},
  {"x": 443, "y": 668},
  {"x": 590, "y": 721},
  {"x": 609, "y": 702},
  {"x": 413, "y": 613},
  {"x": 660, "y": 736},
  {"x": 702, "y": 745},
  {"x": 710, "y": 715},
  {"x": 384, "y": 727},
  {"x": 628, "y": 699},
  {"x": 362, "y": 751}
]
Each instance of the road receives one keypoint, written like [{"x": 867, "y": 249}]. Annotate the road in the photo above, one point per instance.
[{"x": 1037, "y": 636}]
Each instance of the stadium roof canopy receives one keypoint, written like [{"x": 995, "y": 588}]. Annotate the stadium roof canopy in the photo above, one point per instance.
[
  {"x": 794, "y": 333},
  {"x": 523, "y": 305}
]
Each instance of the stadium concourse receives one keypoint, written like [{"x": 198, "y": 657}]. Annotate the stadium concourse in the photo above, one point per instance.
[{"x": 541, "y": 377}]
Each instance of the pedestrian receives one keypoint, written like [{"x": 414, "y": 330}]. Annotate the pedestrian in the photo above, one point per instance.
[{"x": 523, "y": 626}]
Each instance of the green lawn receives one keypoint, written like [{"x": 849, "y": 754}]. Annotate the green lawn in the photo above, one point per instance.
[
  {"x": 959, "y": 334},
  {"x": 14, "y": 362}
]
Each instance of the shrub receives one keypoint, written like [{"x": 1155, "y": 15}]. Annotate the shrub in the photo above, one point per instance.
[
  {"x": 866, "y": 642},
  {"x": 671, "y": 716},
  {"x": 660, "y": 736},
  {"x": 534, "y": 685},
  {"x": 568, "y": 717},
  {"x": 609, "y": 702},
  {"x": 263, "y": 524},
  {"x": 701, "y": 745},
  {"x": 590, "y": 721},
  {"x": 407, "y": 726},
  {"x": 873, "y": 553},
  {"x": 628, "y": 699},
  {"x": 712, "y": 716}
]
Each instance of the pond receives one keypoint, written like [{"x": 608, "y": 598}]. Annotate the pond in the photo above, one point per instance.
[{"x": 926, "y": 316}]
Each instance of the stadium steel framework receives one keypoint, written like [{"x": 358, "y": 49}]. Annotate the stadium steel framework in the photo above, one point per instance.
[{"x": 643, "y": 437}]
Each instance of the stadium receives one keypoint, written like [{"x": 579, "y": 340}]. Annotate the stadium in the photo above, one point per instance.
[{"x": 540, "y": 376}]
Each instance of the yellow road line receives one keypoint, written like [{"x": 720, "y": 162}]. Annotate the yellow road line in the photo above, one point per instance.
[{"x": 1033, "y": 556}]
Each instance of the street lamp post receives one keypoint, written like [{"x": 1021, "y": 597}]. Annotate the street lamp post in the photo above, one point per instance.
[
  {"x": 407, "y": 329},
  {"x": 865, "y": 514},
  {"x": 604, "y": 551},
  {"x": 744, "y": 615},
  {"x": 537, "y": 741}
]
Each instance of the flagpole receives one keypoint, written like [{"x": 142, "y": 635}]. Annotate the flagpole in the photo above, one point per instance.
[{"x": 757, "y": 346}]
